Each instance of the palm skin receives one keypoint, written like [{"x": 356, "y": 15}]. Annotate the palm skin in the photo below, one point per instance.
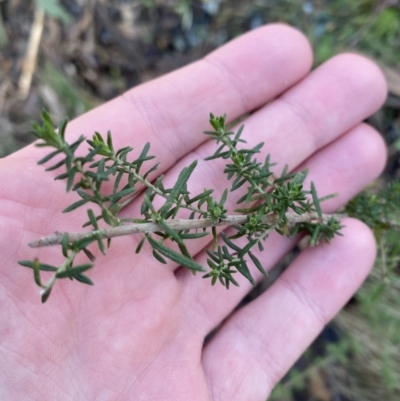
[{"x": 138, "y": 333}]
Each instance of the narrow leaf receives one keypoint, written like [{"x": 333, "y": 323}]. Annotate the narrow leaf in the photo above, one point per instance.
[
  {"x": 74, "y": 270},
  {"x": 92, "y": 219},
  {"x": 159, "y": 257},
  {"x": 316, "y": 200},
  {"x": 75, "y": 205},
  {"x": 101, "y": 245},
  {"x": 330, "y": 196},
  {"x": 174, "y": 256},
  {"x": 56, "y": 166},
  {"x": 244, "y": 270},
  {"x": 64, "y": 245},
  {"x": 257, "y": 263},
  {"x": 230, "y": 243},
  {"x": 71, "y": 177},
  {"x": 89, "y": 254},
  {"x": 314, "y": 237},
  {"x": 173, "y": 234},
  {"x": 126, "y": 191},
  {"x": 139, "y": 247},
  {"x": 61, "y": 128},
  {"x": 142, "y": 156},
  {"x": 62, "y": 176},
  {"x": 154, "y": 168},
  {"x": 109, "y": 141},
  {"x": 117, "y": 181},
  {"x": 83, "y": 279},
  {"x": 49, "y": 156},
  {"x": 223, "y": 198},
  {"x": 42, "y": 266},
  {"x": 179, "y": 185},
  {"x": 247, "y": 248},
  {"x": 193, "y": 235},
  {"x": 215, "y": 237},
  {"x": 36, "y": 272},
  {"x": 200, "y": 196}
]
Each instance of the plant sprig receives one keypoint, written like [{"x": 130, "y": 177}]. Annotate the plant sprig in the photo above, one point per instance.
[{"x": 269, "y": 204}]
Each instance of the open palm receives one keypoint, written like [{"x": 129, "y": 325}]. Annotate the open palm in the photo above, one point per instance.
[{"x": 138, "y": 334}]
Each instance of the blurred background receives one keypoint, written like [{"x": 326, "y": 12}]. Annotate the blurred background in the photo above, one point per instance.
[{"x": 70, "y": 55}]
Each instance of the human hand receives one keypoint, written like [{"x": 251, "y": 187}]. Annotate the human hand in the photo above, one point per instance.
[{"x": 138, "y": 334}]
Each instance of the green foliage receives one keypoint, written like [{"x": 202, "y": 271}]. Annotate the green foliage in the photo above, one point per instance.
[{"x": 269, "y": 203}]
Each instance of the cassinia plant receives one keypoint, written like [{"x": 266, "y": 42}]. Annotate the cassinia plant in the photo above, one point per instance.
[{"x": 270, "y": 203}]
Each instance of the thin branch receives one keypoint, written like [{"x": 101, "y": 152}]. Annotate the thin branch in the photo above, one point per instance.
[{"x": 179, "y": 225}]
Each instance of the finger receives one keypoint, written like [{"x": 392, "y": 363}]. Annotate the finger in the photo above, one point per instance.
[
  {"x": 292, "y": 136},
  {"x": 260, "y": 342},
  {"x": 345, "y": 166}
]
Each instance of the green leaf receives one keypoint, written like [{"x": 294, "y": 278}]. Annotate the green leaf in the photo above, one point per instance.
[
  {"x": 200, "y": 196},
  {"x": 62, "y": 176},
  {"x": 159, "y": 257},
  {"x": 42, "y": 266},
  {"x": 64, "y": 245},
  {"x": 215, "y": 237},
  {"x": 244, "y": 270},
  {"x": 174, "y": 256},
  {"x": 247, "y": 248},
  {"x": 193, "y": 235},
  {"x": 71, "y": 177},
  {"x": 75, "y": 205},
  {"x": 223, "y": 198},
  {"x": 257, "y": 263},
  {"x": 143, "y": 156},
  {"x": 48, "y": 157},
  {"x": 106, "y": 217},
  {"x": 83, "y": 279},
  {"x": 101, "y": 244},
  {"x": 154, "y": 168},
  {"x": 237, "y": 183},
  {"x": 92, "y": 219},
  {"x": 238, "y": 133},
  {"x": 61, "y": 128},
  {"x": 118, "y": 180},
  {"x": 121, "y": 153},
  {"x": 300, "y": 177},
  {"x": 176, "y": 190},
  {"x": 56, "y": 166},
  {"x": 330, "y": 196},
  {"x": 36, "y": 272},
  {"x": 119, "y": 195},
  {"x": 139, "y": 247},
  {"x": 230, "y": 243},
  {"x": 74, "y": 270},
  {"x": 247, "y": 210},
  {"x": 314, "y": 237},
  {"x": 89, "y": 254},
  {"x": 148, "y": 204},
  {"x": 316, "y": 200},
  {"x": 173, "y": 234},
  {"x": 109, "y": 141}
]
